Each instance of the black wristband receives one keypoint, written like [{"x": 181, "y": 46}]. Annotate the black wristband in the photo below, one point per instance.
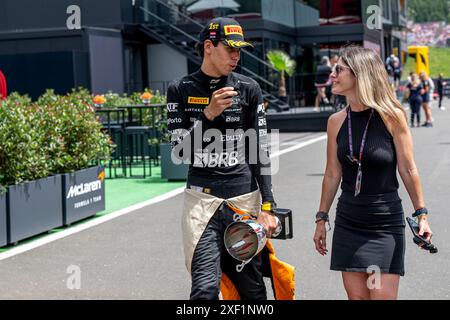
[{"x": 419, "y": 212}]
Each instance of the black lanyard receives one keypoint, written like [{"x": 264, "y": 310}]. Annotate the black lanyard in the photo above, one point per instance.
[{"x": 361, "y": 149}]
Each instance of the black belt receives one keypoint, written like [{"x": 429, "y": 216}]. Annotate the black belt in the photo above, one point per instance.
[{"x": 224, "y": 191}]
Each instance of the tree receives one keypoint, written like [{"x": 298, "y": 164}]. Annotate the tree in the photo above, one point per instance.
[
  {"x": 281, "y": 61},
  {"x": 428, "y": 11}
]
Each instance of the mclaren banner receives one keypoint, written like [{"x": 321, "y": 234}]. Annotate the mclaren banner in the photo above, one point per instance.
[{"x": 84, "y": 194}]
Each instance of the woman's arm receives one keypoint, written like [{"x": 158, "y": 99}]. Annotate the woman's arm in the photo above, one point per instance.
[
  {"x": 405, "y": 160},
  {"x": 408, "y": 169},
  {"x": 331, "y": 179}
]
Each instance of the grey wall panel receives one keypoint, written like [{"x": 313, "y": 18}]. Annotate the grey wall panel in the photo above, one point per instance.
[
  {"x": 38, "y": 14},
  {"x": 164, "y": 65},
  {"x": 101, "y": 12},
  {"x": 106, "y": 63},
  {"x": 281, "y": 11},
  {"x": 306, "y": 15}
]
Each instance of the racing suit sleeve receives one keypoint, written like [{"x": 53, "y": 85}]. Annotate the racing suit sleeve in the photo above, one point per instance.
[
  {"x": 261, "y": 169},
  {"x": 178, "y": 124}
]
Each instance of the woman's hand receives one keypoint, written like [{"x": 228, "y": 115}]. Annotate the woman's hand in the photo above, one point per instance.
[
  {"x": 424, "y": 229},
  {"x": 320, "y": 237}
]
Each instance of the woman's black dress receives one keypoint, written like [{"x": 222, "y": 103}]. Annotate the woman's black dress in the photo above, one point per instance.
[{"x": 369, "y": 228}]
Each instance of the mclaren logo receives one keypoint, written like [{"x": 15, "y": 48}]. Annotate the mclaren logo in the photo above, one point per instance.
[
  {"x": 198, "y": 100},
  {"x": 84, "y": 188}
]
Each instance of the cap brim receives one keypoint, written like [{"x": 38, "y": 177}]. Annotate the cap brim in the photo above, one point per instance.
[{"x": 238, "y": 44}]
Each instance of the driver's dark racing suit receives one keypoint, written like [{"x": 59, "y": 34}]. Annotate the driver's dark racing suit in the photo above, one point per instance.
[{"x": 230, "y": 169}]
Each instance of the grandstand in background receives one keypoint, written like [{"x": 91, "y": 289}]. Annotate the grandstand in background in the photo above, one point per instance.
[{"x": 433, "y": 34}]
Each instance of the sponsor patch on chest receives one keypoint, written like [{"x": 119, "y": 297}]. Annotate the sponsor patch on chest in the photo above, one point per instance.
[{"x": 198, "y": 100}]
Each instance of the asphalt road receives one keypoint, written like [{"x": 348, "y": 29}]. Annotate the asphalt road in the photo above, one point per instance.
[{"x": 140, "y": 256}]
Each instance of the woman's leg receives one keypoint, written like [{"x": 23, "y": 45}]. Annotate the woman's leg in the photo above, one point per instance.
[
  {"x": 413, "y": 111},
  {"x": 430, "y": 116},
  {"x": 322, "y": 93},
  {"x": 389, "y": 288},
  {"x": 317, "y": 101},
  {"x": 416, "y": 109},
  {"x": 426, "y": 109},
  {"x": 355, "y": 284}
]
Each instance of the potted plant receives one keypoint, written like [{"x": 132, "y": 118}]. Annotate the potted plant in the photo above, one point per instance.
[
  {"x": 83, "y": 150},
  {"x": 169, "y": 169},
  {"x": 34, "y": 203},
  {"x": 43, "y": 146},
  {"x": 3, "y": 229}
]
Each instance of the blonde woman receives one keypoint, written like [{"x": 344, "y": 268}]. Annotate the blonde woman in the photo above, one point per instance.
[
  {"x": 367, "y": 141},
  {"x": 426, "y": 96}
]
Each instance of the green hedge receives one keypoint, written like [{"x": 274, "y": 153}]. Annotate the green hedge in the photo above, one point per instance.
[
  {"x": 59, "y": 133},
  {"x": 55, "y": 134}
]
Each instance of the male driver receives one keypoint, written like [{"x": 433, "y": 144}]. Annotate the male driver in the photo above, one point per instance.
[{"x": 221, "y": 178}]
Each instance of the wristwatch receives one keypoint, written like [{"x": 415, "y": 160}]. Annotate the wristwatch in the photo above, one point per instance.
[
  {"x": 269, "y": 206},
  {"x": 321, "y": 215}
]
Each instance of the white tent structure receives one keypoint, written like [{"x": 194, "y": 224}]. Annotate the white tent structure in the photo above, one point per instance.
[{"x": 203, "y": 5}]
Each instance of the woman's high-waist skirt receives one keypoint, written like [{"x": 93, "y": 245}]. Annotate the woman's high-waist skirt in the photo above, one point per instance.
[{"x": 369, "y": 234}]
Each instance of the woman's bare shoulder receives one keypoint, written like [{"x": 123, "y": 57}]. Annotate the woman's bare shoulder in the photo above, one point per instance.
[{"x": 335, "y": 120}]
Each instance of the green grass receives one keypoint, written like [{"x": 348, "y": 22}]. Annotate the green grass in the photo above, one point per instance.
[
  {"x": 439, "y": 63},
  {"x": 124, "y": 192},
  {"x": 121, "y": 193}
]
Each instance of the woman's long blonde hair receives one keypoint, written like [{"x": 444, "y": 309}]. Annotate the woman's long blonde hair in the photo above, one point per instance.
[{"x": 373, "y": 88}]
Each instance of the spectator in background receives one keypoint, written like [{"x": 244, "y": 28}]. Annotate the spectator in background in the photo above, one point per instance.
[
  {"x": 426, "y": 99},
  {"x": 432, "y": 87},
  {"x": 334, "y": 60},
  {"x": 415, "y": 91},
  {"x": 3, "y": 87},
  {"x": 440, "y": 89},
  {"x": 408, "y": 79},
  {"x": 322, "y": 81},
  {"x": 394, "y": 70}
]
